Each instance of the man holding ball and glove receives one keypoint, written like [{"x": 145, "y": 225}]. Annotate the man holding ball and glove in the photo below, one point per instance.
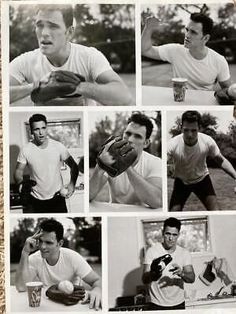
[{"x": 61, "y": 270}]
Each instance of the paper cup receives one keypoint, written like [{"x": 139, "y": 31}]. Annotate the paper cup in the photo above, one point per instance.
[
  {"x": 34, "y": 293},
  {"x": 179, "y": 88}
]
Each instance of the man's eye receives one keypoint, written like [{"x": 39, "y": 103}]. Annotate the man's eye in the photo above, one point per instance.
[{"x": 127, "y": 133}]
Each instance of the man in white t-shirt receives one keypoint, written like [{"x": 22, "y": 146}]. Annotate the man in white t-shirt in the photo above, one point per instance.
[
  {"x": 188, "y": 152},
  {"x": 45, "y": 191},
  {"x": 54, "y": 30},
  {"x": 202, "y": 66},
  {"x": 141, "y": 183},
  {"x": 167, "y": 266},
  {"x": 51, "y": 263}
]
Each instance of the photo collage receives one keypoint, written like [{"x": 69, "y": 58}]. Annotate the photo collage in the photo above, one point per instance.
[{"x": 119, "y": 124}]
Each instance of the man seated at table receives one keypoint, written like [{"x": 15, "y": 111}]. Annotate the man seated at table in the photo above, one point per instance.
[
  {"x": 188, "y": 151},
  {"x": 141, "y": 182},
  {"x": 202, "y": 66},
  {"x": 52, "y": 263}
]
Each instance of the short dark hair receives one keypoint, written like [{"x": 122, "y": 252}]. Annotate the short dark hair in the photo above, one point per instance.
[
  {"x": 65, "y": 9},
  {"x": 143, "y": 120},
  {"x": 36, "y": 118},
  {"x": 206, "y": 21},
  {"x": 192, "y": 116},
  {"x": 52, "y": 225},
  {"x": 173, "y": 223}
]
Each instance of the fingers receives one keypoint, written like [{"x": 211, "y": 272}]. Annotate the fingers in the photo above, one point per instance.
[{"x": 37, "y": 234}]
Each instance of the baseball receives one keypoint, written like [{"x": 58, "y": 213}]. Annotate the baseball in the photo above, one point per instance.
[
  {"x": 63, "y": 191},
  {"x": 66, "y": 286},
  {"x": 232, "y": 91}
]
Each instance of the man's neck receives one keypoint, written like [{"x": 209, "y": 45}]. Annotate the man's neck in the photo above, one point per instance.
[
  {"x": 52, "y": 260},
  {"x": 199, "y": 53},
  {"x": 170, "y": 250},
  {"x": 43, "y": 145},
  {"x": 61, "y": 56}
]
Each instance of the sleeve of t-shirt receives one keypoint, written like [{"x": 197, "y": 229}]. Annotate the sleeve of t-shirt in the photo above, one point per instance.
[
  {"x": 154, "y": 168},
  {"x": 213, "y": 148},
  {"x": 167, "y": 52},
  {"x": 17, "y": 69},
  {"x": 149, "y": 256},
  {"x": 81, "y": 268},
  {"x": 22, "y": 157},
  {"x": 187, "y": 258},
  {"x": 223, "y": 72},
  {"x": 63, "y": 151},
  {"x": 98, "y": 63}
]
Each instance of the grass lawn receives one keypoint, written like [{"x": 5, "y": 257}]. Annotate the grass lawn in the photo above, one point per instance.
[{"x": 224, "y": 188}]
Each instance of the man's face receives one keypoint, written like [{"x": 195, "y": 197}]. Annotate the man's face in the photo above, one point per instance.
[
  {"x": 48, "y": 244},
  {"x": 190, "y": 132},
  {"x": 136, "y": 135},
  {"x": 39, "y": 131},
  {"x": 51, "y": 32},
  {"x": 194, "y": 37},
  {"x": 170, "y": 237}
]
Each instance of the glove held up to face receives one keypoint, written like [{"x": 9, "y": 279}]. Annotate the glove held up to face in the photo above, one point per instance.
[
  {"x": 123, "y": 154},
  {"x": 59, "y": 84}
]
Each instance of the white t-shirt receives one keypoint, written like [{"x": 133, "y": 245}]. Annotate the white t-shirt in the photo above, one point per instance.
[
  {"x": 32, "y": 66},
  {"x": 45, "y": 165},
  {"x": 172, "y": 294},
  {"x": 201, "y": 74},
  {"x": 122, "y": 191},
  {"x": 190, "y": 161},
  {"x": 70, "y": 266}
]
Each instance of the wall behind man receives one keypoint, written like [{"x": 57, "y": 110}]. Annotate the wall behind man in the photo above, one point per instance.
[
  {"x": 125, "y": 255},
  {"x": 18, "y": 136}
]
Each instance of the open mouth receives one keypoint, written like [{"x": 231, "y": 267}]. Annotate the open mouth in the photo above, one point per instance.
[{"x": 45, "y": 43}]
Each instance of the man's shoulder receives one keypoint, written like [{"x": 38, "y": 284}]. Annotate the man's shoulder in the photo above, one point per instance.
[
  {"x": 151, "y": 157},
  {"x": 84, "y": 50},
  {"x": 176, "y": 139},
  {"x": 204, "y": 137},
  {"x": 29, "y": 55},
  {"x": 181, "y": 250},
  {"x": 213, "y": 54},
  {"x": 55, "y": 143},
  {"x": 68, "y": 253}
]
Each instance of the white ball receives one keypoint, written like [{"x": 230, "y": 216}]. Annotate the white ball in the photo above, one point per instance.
[{"x": 66, "y": 286}]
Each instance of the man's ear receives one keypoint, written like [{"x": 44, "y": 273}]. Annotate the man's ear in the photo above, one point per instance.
[
  {"x": 70, "y": 32},
  {"x": 60, "y": 243},
  {"x": 147, "y": 142},
  {"x": 206, "y": 38}
]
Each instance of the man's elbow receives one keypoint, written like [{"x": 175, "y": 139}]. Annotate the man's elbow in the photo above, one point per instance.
[{"x": 20, "y": 287}]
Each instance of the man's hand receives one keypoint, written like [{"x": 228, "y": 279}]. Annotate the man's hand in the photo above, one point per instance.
[
  {"x": 104, "y": 154},
  {"x": 32, "y": 243},
  {"x": 70, "y": 188},
  {"x": 176, "y": 270},
  {"x": 95, "y": 296},
  {"x": 154, "y": 24}
]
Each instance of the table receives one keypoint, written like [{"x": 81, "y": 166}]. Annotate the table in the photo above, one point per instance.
[
  {"x": 19, "y": 304},
  {"x": 95, "y": 206},
  {"x": 163, "y": 96}
]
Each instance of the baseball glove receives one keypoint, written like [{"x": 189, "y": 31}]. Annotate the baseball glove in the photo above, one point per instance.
[
  {"x": 122, "y": 153},
  {"x": 224, "y": 98},
  {"x": 56, "y": 295},
  {"x": 58, "y": 84},
  {"x": 157, "y": 266}
]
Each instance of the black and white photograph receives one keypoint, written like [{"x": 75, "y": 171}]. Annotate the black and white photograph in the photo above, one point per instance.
[
  {"x": 46, "y": 162},
  {"x": 125, "y": 161},
  {"x": 188, "y": 54},
  {"x": 55, "y": 264},
  {"x": 201, "y": 148},
  {"x": 72, "y": 54},
  {"x": 172, "y": 263}
]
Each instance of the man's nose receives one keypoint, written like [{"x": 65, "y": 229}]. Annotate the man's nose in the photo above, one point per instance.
[{"x": 45, "y": 31}]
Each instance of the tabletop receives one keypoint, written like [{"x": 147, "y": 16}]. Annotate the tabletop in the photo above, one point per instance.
[
  {"x": 19, "y": 304},
  {"x": 114, "y": 207},
  {"x": 163, "y": 96}
]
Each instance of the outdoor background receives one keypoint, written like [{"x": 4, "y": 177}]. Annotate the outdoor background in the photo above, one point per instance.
[
  {"x": 108, "y": 27},
  {"x": 221, "y": 126},
  {"x": 80, "y": 234},
  {"x": 223, "y": 39},
  {"x": 104, "y": 124}
]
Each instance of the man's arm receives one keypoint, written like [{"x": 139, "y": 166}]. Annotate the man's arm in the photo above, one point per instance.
[
  {"x": 18, "y": 91},
  {"x": 186, "y": 273},
  {"x": 96, "y": 293},
  {"x": 96, "y": 182},
  {"x": 74, "y": 171},
  {"x": 19, "y": 171},
  {"x": 149, "y": 191},
  {"x": 224, "y": 164},
  {"x": 108, "y": 90},
  {"x": 225, "y": 84},
  {"x": 23, "y": 273},
  {"x": 147, "y": 277},
  {"x": 148, "y": 50}
]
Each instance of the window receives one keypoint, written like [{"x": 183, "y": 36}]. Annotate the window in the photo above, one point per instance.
[
  {"x": 67, "y": 132},
  {"x": 194, "y": 233}
]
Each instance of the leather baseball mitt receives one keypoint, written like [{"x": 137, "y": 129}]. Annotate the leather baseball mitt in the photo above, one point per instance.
[
  {"x": 56, "y": 295},
  {"x": 58, "y": 84},
  {"x": 122, "y": 156},
  {"x": 224, "y": 98},
  {"x": 158, "y": 264}
]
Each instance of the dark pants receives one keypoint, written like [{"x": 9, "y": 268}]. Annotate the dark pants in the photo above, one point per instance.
[
  {"x": 181, "y": 191},
  {"x": 155, "y": 307},
  {"x": 57, "y": 204}
]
